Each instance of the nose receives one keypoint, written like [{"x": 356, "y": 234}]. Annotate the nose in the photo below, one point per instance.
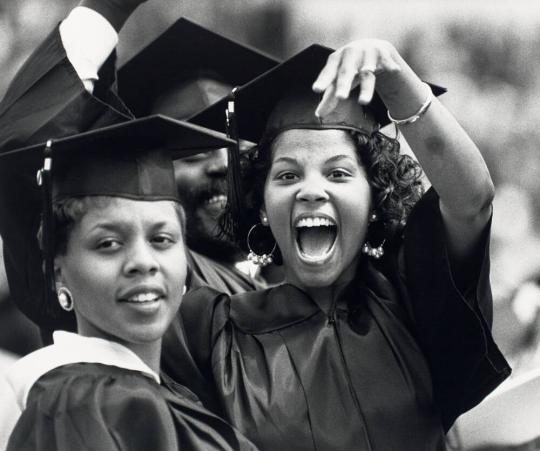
[
  {"x": 312, "y": 190},
  {"x": 141, "y": 259},
  {"x": 217, "y": 163}
]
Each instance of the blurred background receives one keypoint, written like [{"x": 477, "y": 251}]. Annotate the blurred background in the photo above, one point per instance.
[{"x": 486, "y": 52}]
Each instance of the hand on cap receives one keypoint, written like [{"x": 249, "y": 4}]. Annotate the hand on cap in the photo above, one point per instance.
[
  {"x": 356, "y": 63},
  {"x": 115, "y": 11}
]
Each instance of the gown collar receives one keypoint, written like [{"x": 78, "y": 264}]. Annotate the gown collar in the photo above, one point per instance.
[
  {"x": 285, "y": 305},
  {"x": 71, "y": 348}
]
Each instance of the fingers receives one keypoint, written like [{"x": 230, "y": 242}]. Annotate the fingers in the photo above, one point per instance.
[
  {"x": 328, "y": 102},
  {"x": 366, "y": 76},
  {"x": 347, "y": 71},
  {"x": 352, "y": 65},
  {"x": 328, "y": 74}
]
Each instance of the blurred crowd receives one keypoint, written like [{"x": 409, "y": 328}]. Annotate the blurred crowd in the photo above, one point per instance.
[{"x": 486, "y": 54}]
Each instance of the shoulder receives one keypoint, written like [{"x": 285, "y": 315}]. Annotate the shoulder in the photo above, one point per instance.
[
  {"x": 95, "y": 406},
  {"x": 87, "y": 387},
  {"x": 222, "y": 277},
  {"x": 201, "y": 302}
]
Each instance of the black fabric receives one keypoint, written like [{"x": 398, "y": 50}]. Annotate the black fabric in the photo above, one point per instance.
[
  {"x": 446, "y": 328},
  {"x": 223, "y": 277},
  {"x": 278, "y": 100},
  {"x": 45, "y": 99},
  {"x": 89, "y": 406},
  {"x": 184, "y": 53},
  {"x": 377, "y": 375}
]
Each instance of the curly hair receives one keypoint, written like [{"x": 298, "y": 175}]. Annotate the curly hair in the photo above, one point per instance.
[{"x": 395, "y": 180}]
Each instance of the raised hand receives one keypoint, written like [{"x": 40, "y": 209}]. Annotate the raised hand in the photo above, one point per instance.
[{"x": 357, "y": 63}]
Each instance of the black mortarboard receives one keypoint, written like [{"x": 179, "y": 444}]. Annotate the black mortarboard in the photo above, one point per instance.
[
  {"x": 183, "y": 56},
  {"x": 282, "y": 98},
  {"x": 132, "y": 159}
]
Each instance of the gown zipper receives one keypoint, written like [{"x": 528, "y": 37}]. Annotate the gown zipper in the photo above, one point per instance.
[{"x": 332, "y": 322}]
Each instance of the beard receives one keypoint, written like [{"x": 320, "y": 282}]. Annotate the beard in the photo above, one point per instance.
[{"x": 203, "y": 234}]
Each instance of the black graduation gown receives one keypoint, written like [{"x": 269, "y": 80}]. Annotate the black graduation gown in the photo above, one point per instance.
[
  {"x": 48, "y": 100},
  {"x": 91, "y": 406},
  {"x": 223, "y": 277},
  {"x": 399, "y": 358}
]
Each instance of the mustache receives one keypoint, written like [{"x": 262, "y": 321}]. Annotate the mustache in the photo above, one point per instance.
[{"x": 202, "y": 192}]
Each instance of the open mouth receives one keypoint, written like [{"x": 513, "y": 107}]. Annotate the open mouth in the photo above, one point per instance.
[
  {"x": 215, "y": 204},
  {"x": 143, "y": 298},
  {"x": 315, "y": 236}
]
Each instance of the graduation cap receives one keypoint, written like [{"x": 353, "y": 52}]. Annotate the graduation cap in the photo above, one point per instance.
[
  {"x": 190, "y": 64},
  {"x": 131, "y": 160},
  {"x": 282, "y": 99}
]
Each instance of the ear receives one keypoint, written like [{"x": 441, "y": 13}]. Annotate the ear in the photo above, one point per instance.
[{"x": 58, "y": 273}]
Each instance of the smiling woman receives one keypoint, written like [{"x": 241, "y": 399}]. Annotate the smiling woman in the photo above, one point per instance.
[
  {"x": 317, "y": 202},
  {"x": 379, "y": 338},
  {"x": 113, "y": 250},
  {"x": 124, "y": 261}
]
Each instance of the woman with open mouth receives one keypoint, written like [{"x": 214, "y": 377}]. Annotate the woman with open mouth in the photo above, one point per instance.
[
  {"x": 112, "y": 238},
  {"x": 380, "y": 336}
]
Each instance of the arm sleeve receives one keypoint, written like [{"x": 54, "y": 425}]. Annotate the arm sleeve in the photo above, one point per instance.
[
  {"x": 88, "y": 39},
  {"x": 103, "y": 415},
  {"x": 453, "y": 326},
  {"x": 188, "y": 344}
]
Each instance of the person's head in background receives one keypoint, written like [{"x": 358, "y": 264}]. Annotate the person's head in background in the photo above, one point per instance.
[{"x": 205, "y": 69}]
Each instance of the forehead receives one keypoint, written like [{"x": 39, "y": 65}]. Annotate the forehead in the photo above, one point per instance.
[
  {"x": 308, "y": 145},
  {"x": 117, "y": 209}
]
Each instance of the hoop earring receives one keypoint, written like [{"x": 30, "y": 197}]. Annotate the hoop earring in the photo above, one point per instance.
[
  {"x": 259, "y": 260},
  {"x": 374, "y": 252},
  {"x": 65, "y": 299}
]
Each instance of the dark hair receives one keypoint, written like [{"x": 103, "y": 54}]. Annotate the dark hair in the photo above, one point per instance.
[
  {"x": 67, "y": 212},
  {"x": 395, "y": 180}
]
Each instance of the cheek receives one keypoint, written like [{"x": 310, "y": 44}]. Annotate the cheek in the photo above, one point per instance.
[
  {"x": 356, "y": 210},
  {"x": 276, "y": 206},
  {"x": 92, "y": 284},
  {"x": 187, "y": 176},
  {"x": 174, "y": 264}
]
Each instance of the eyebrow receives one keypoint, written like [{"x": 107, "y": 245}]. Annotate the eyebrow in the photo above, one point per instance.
[
  {"x": 115, "y": 226},
  {"x": 339, "y": 158},
  {"x": 330, "y": 160},
  {"x": 286, "y": 160}
]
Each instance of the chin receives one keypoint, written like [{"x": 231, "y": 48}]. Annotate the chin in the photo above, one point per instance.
[
  {"x": 316, "y": 280},
  {"x": 150, "y": 335},
  {"x": 147, "y": 333}
]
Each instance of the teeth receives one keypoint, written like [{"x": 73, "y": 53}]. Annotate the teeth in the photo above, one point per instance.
[
  {"x": 315, "y": 222},
  {"x": 220, "y": 198},
  {"x": 144, "y": 297}
]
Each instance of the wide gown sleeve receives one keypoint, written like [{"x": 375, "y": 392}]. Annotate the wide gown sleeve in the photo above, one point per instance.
[
  {"x": 98, "y": 414},
  {"x": 47, "y": 99},
  {"x": 453, "y": 325},
  {"x": 188, "y": 343}
]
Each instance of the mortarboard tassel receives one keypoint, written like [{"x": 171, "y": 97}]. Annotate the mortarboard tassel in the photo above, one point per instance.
[
  {"x": 231, "y": 222},
  {"x": 44, "y": 179}
]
